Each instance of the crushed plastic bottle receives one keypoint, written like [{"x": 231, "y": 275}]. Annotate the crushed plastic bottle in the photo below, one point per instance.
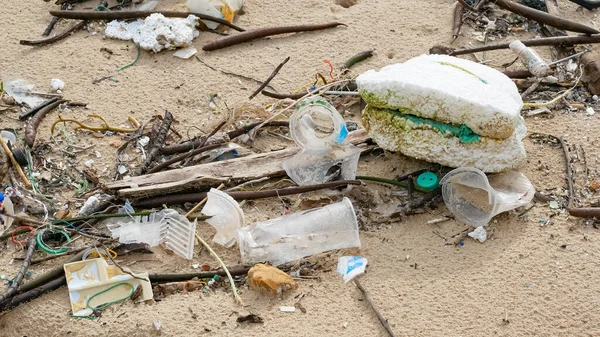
[
  {"x": 294, "y": 236},
  {"x": 320, "y": 131}
]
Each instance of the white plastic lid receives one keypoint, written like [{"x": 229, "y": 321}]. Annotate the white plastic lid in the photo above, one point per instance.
[
  {"x": 317, "y": 125},
  {"x": 227, "y": 216}
]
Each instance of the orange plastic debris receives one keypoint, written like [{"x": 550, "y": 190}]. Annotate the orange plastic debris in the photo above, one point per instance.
[{"x": 269, "y": 278}]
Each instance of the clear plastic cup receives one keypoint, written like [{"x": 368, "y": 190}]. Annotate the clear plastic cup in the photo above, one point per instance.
[
  {"x": 291, "y": 237},
  {"x": 474, "y": 199},
  {"x": 321, "y": 132}
]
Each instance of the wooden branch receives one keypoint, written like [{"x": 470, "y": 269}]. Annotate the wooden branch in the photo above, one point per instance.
[
  {"x": 123, "y": 15},
  {"x": 50, "y": 275},
  {"x": 158, "y": 144},
  {"x": 12, "y": 289},
  {"x": 204, "y": 175},
  {"x": 33, "y": 293},
  {"x": 382, "y": 319},
  {"x": 545, "y": 18},
  {"x": 163, "y": 278},
  {"x": 550, "y": 41},
  {"x": 178, "y": 199}
]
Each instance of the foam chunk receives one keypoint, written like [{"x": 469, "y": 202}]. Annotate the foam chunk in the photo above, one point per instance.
[
  {"x": 156, "y": 32},
  {"x": 447, "y": 89},
  {"x": 396, "y": 133}
]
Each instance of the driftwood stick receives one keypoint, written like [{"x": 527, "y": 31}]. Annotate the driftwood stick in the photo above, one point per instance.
[
  {"x": 244, "y": 195},
  {"x": 15, "y": 163},
  {"x": 585, "y": 212},
  {"x": 158, "y": 143},
  {"x": 12, "y": 289},
  {"x": 382, "y": 319},
  {"x": 163, "y": 278},
  {"x": 124, "y": 15},
  {"x": 264, "y": 32},
  {"x": 56, "y": 38},
  {"x": 184, "y": 156},
  {"x": 587, "y": 4},
  {"x": 268, "y": 80},
  {"x": 50, "y": 275},
  {"x": 545, "y": 18},
  {"x": 569, "y": 172},
  {"x": 33, "y": 293},
  {"x": 187, "y": 146},
  {"x": 457, "y": 20},
  {"x": 549, "y": 41}
]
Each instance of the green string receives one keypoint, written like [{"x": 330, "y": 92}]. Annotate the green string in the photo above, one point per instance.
[
  {"x": 47, "y": 249},
  {"x": 104, "y": 305},
  {"x": 139, "y": 51}
]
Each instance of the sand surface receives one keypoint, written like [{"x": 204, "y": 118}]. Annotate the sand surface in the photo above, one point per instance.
[{"x": 540, "y": 277}]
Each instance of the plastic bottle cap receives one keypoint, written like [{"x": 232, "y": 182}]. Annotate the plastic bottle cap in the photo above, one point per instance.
[{"x": 428, "y": 181}]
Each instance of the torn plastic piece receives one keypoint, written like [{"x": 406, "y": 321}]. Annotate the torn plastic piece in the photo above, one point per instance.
[
  {"x": 204, "y": 7},
  {"x": 89, "y": 205},
  {"x": 226, "y": 216},
  {"x": 185, "y": 53},
  {"x": 8, "y": 137},
  {"x": 351, "y": 266},
  {"x": 301, "y": 234},
  {"x": 22, "y": 92},
  {"x": 474, "y": 199},
  {"x": 321, "y": 132},
  {"x": 265, "y": 277},
  {"x": 87, "y": 280},
  {"x": 479, "y": 234},
  {"x": 167, "y": 226},
  {"x": 285, "y": 308}
]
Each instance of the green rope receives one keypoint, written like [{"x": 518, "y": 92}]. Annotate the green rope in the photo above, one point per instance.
[
  {"x": 139, "y": 51},
  {"x": 104, "y": 305},
  {"x": 47, "y": 249}
]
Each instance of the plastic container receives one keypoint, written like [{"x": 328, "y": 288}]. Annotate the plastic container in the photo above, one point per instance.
[
  {"x": 536, "y": 65},
  {"x": 291, "y": 237},
  {"x": 475, "y": 199},
  {"x": 321, "y": 132}
]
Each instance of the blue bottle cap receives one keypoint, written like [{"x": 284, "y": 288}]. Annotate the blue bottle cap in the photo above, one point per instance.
[{"x": 428, "y": 181}]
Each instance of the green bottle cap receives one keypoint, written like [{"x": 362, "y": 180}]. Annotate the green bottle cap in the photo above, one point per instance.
[{"x": 428, "y": 181}]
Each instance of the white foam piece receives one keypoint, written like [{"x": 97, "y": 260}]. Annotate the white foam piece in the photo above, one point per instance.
[
  {"x": 422, "y": 142},
  {"x": 447, "y": 89},
  {"x": 156, "y": 32}
]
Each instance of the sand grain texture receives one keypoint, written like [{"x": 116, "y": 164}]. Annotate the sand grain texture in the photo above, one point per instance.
[{"x": 423, "y": 287}]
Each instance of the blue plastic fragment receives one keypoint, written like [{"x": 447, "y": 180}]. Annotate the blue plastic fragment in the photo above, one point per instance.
[{"x": 343, "y": 134}]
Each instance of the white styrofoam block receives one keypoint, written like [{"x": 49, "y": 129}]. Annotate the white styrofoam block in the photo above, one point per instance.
[
  {"x": 394, "y": 133},
  {"x": 447, "y": 89},
  {"x": 156, "y": 32}
]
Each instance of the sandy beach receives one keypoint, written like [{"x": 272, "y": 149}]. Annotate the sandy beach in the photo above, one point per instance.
[{"x": 528, "y": 279}]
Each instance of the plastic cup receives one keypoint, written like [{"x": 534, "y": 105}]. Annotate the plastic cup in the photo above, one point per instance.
[
  {"x": 291, "y": 237},
  {"x": 475, "y": 199},
  {"x": 321, "y": 132}
]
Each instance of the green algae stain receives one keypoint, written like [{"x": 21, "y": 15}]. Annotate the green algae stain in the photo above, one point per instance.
[
  {"x": 463, "y": 69},
  {"x": 463, "y": 132}
]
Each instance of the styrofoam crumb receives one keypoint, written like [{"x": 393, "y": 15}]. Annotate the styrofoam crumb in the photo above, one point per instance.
[{"x": 156, "y": 32}]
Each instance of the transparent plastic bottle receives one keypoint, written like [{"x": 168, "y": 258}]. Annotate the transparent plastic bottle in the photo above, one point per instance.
[{"x": 536, "y": 65}]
